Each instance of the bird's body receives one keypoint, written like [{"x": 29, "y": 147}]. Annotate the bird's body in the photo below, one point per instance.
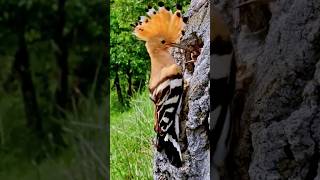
[
  {"x": 161, "y": 30},
  {"x": 167, "y": 97}
]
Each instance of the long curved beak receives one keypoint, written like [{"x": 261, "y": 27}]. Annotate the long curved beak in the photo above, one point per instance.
[{"x": 178, "y": 46}]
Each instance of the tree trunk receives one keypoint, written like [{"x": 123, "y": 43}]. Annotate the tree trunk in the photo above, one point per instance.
[
  {"x": 129, "y": 78},
  {"x": 278, "y": 88},
  {"x": 277, "y": 98},
  {"x": 194, "y": 118},
  {"x": 21, "y": 64},
  {"x": 62, "y": 91},
  {"x": 118, "y": 87}
]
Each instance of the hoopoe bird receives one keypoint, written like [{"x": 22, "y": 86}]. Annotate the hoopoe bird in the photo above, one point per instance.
[
  {"x": 162, "y": 29},
  {"x": 222, "y": 85}
]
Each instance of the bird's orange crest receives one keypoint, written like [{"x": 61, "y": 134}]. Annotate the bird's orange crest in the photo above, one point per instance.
[{"x": 162, "y": 25}]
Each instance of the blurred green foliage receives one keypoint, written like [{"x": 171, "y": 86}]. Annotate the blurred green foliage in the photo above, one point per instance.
[{"x": 25, "y": 154}]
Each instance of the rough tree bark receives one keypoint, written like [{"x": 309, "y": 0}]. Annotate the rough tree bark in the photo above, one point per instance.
[
  {"x": 277, "y": 100},
  {"x": 195, "y": 113},
  {"x": 278, "y": 87}
]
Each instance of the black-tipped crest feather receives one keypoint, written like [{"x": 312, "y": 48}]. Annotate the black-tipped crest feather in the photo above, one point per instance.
[{"x": 162, "y": 24}]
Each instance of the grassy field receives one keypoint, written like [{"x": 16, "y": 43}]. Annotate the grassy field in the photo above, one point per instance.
[
  {"x": 131, "y": 139},
  {"x": 83, "y": 159}
]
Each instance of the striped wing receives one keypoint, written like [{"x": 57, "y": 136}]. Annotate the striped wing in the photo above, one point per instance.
[{"x": 167, "y": 97}]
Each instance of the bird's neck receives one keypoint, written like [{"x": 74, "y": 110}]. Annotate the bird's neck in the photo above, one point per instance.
[{"x": 160, "y": 60}]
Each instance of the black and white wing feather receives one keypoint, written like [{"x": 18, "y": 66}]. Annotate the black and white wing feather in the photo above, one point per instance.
[{"x": 167, "y": 97}]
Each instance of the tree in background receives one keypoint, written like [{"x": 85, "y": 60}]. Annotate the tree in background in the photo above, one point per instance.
[
  {"x": 55, "y": 52},
  {"x": 62, "y": 51},
  {"x": 19, "y": 28}
]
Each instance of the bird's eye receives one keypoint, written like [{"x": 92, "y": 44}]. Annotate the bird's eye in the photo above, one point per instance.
[{"x": 163, "y": 41}]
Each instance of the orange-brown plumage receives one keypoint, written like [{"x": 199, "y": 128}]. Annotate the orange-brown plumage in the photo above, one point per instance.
[
  {"x": 164, "y": 24},
  {"x": 160, "y": 30}
]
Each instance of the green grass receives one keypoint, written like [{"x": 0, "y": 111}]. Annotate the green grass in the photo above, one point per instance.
[
  {"x": 83, "y": 159},
  {"x": 131, "y": 139}
]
